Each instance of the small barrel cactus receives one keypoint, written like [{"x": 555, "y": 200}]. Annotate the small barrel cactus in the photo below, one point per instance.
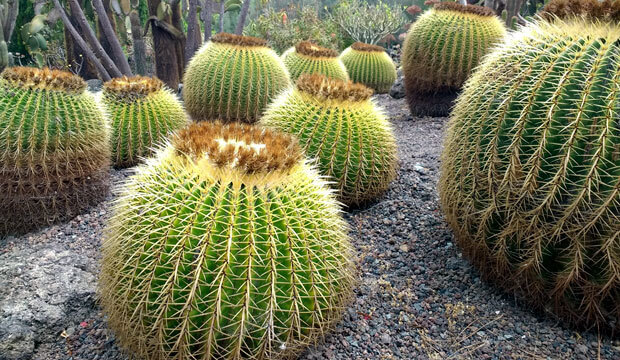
[
  {"x": 227, "y": 245},
  {"x": 441, "y": 49},
  {"x": 338, "y": 125},
  {"x": 530, "y": 178},
  {"x": 54, "y": 157},
  {"x": 233, "y": 78},
  {"x": 308, "y": 58},
  {"x": 369, "y": 65},
  {"x": 143, "y": 112}
]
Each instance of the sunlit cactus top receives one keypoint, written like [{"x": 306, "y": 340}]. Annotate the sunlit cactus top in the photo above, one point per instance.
[{"x": 43, "y": 79}]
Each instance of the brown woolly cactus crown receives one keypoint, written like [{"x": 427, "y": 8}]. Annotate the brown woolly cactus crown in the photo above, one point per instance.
[
  {"x": 608, "y": 10},
  {"x": 238, "y": 146},
  {"x": 133, "y": 86},
  {"x": 470, "y": 9},
  {"x": 325, "y": 88},
  {"x": 310, "y": 49},
  {"x": 47, "y": 79},
  {"x": 360, "y": 46},
  {"x": 232, "y": 39}
]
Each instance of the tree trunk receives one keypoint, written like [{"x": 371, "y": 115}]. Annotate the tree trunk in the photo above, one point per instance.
[
  {"x": 78, "y": 15},
  {"x": 243, "y": 16},
  {"x": 169, "y": 59},
  {"x": 9, "y": 24},
  {"x": 107, "y": 46},
  {"x": 81, "y": 43},
  {"x": 139, "y": 48},
  {"x": 207, "y": 17},
  {"x": 109, "y": 33},
  {"x": 222, "y": 10},
  {"x": 193, "y": 31}
]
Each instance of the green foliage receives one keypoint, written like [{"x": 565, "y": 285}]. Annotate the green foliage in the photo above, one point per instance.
[
  {"x": 337, "y": 124},
  {"x": 283, "y": 32},
  {"x": 233, "y": 78},
  {"x": 32, "y": 36},
  {"x": 367, "y": 23},
  {"x": 142, "y": 112},
  {"x": 225, "y": 249},
  {"x": 55, "y": 153},
  {"x": 303, "y": 60},
  {"x": 370, "y": 65},
  {"x": 530, "y": 178},
  {"x": 441, "y": 49}
]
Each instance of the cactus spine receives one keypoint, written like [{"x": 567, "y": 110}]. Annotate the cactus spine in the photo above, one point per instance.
[
  {"x": 309, "y": 58},
  {"x": 441, "y": 49},
  {"x": 337, "y": 124},
  {"x": 233, "y": 78},
  {"x": 143, "y": 112},
  {"x": 530, "y": 178},
  {"x": 54, "y": 156},
  {"x": 369, "y": 65},
  {"x": 226, "y": 246}
]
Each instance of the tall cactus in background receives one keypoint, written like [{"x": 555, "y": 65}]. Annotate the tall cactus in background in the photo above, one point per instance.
[
  {"x": 369, "y": 65},
  {"x": 228, "y": 245},
  {"x": 233, "y": 78},
  {"x": 338, "y": 125},
  {"x": 55, "y": 153},
  {"x": 530, "y": 178},
  {"x": 8, "y": 14},
  {"x": 441, "y": 49}
]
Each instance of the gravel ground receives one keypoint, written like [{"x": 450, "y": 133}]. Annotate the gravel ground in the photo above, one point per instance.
[{"x": 417, "y": 298}]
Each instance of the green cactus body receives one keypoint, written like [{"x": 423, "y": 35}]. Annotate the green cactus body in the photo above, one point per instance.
[
  {"x": 227, "y": 245},
  {"x": 233, "y": 78},
  {"x": 369, "y": 65},
  {"x": 338, "y": 125},
  {"x": 143, "y": 112},
  {"x": 530, "y": 178},
  {"x": 441, "y": 49},
  {"x": 308, "y": 58},
  {"x": 54, "y": 153}
]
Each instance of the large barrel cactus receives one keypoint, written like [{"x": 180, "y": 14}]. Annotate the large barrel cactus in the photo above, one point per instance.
[
  {"x": 143, "y": 112},
  {"x": 441, "y": 49},
  {"x": 369, "y": 65},
  {"x": 530, "y": 178},
  {"x": 337, "y": 123},
  {"x": 233, "y": 78},
  {"x": 228, "y": 245},
  {"x": 309, "y": 58},
  {"x": 54, "y": 152}
]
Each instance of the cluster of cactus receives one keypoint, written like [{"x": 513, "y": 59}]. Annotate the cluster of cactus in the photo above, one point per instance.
[
  {"x": 233, "y": 78},
  {"x": 369, "y": 65},
  {"x": 142, "y": 112},
  {"x": 441, "y": 49},
  {"x": 227, "y": 245},
  {"x": 337, "y": 124},
  {"x": 309, "y": 58},
  {"x": 530, "y": 178},
  {"x": 55, "y": 154}
]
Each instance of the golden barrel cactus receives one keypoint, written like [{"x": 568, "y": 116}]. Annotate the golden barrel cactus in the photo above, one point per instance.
[
  {"x": 142, "y": 112},
  {"x": 227, "y": 245},
  {"x": 309, "y": 58},
  {"x": 440, "y": 51},
  {"x": 338, "y": 125},
  {"x": 54, "y": 152},
  {"x": 530, "y": 176},
  {"x": 369, "y": 65},
  {"x": 233, "y": 78}
]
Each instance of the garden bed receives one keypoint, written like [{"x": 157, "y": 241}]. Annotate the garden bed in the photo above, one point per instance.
[{"x": 417, "y": 297}]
